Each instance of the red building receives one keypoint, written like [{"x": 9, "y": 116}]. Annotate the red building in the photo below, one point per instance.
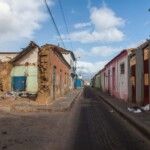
[{"x": 53, "y": 74}]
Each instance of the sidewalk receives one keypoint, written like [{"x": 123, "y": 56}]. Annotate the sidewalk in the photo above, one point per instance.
[
  {"x": 140, "y": 120},
  {"x": 62, "y": 104}
]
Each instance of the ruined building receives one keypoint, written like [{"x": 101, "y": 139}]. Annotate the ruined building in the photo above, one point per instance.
[
  {"x": 42, "y": 70},
  {"x": 53, "y": 74}
]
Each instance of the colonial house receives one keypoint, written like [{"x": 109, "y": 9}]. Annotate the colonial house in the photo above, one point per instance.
[
  {"x": 70, "y": 58},
  {"x": 13, "y": 68},
  {"x": 42, "y": 70},
  {"x": 97, "y": 80},
  {"x": 102, "y": 79},
  {"x": 24, "y": 75},
  {"x": 116, "y": 75},
  {"x": 113, "y": 79},
  {"x": 139, "y": 74},
  {"x": 53, "y": 74}
]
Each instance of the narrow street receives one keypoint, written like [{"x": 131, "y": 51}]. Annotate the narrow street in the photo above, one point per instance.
[{"x": 90, "y": 125}]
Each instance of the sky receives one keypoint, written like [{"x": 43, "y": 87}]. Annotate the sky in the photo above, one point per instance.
[{"x": 98, "y": 29}]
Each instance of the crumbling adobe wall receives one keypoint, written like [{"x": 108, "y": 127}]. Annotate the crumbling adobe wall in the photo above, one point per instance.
[
  {"x": 5, "y": 76},
  {"x": 43, "y": 76}
]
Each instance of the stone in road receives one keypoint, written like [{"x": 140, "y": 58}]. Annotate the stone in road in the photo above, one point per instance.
[{"x": 90, "y": 125}]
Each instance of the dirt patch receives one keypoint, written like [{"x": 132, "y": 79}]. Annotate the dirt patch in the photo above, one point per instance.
[{"x": 8, "y": 102}]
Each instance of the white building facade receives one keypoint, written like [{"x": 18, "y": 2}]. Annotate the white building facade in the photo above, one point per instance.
[{"x": 70, "y": 58}]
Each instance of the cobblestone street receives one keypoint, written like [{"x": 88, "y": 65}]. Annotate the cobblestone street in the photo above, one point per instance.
[{"x": 89, "y": 125}]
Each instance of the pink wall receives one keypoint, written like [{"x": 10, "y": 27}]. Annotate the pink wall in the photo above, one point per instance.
[{"x": 119, "y": 88}]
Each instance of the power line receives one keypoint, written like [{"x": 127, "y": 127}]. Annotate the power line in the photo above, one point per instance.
[
  {"x": 50, "y": 13},
  {"x": 61, "y": 8}
]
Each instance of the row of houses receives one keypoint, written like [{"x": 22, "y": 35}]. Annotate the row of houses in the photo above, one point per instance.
[
  {"x": 49, "y": 71},
  {"x": 127, "y": 76}
]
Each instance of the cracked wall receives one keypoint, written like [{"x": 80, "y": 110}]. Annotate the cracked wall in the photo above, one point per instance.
[{"x": 5, "y": 80}]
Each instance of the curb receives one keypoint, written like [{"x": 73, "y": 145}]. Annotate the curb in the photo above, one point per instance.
[
  {"x": 69, "y": 106},
  {"x": 140, "y": 127},
  {"x": 75, "y": 98}
]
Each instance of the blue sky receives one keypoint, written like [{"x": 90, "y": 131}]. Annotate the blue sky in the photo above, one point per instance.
[{"x": 99, "y": 30}]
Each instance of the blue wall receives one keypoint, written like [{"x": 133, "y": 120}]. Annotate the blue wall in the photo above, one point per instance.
[
  {"x": 19, "y": 83},
  {"x": 79, "y": 82}
]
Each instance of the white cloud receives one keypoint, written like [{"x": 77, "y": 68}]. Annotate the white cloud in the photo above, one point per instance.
[
  {"x": 80, "y": 53},
  {"x": 106, "y": 27},
  {"x": 102, "y": 51},
  {"x": 105, "y": 51},
  {"x": 90, "y": 68},
  {"x": 82, "y": 25},
  {"x": 19, "y": 19},
  {"x": 104, "y": 19}
]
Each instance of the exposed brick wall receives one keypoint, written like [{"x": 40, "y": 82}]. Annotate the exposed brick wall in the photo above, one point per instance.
[{"x": 47, "y": 61}]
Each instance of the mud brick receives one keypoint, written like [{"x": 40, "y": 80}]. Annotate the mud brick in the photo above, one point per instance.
[
  {"x": 44, "y": 53},
  {"x": 44, "y": 59}
]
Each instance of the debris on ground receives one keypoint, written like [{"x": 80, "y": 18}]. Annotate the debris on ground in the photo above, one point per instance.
[
  {"x": 135, "y": 109},
  {"x": 10, "y": 98},
  {"x": 146, "y": 108},
  {"x": 31, "y": 96},
  {"x": 18, "y": 95}
]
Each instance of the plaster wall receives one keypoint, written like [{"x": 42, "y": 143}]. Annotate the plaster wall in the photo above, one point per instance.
[
  {"x": 30, "y": 57},
  {"x": 71, "y": 62},
  {"x": 120, "y": 89},
  {"x": 6, "y": 57}
]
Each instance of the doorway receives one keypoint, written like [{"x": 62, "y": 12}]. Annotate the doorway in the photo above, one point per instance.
[
  {"x": 54, "y": 83},
  {"x": 133, "y": 77},
  {"x": 113, "y": 81},
  {"x": 109, "y": 82},
  {"x": 146, "y": 75},
  {"x": 61, "y": 82}
]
